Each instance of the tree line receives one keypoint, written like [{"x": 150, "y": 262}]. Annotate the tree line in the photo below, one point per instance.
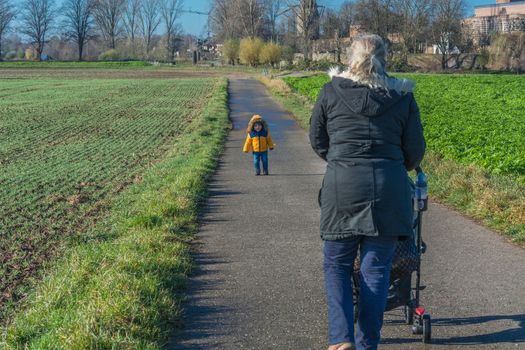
[
  {"x": 149, "y": 28},
  {"x": 79, "y": 21},
  {"x": 407, "y": 25}
]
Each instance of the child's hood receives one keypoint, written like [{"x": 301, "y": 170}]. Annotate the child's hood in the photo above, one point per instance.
[{"x": 256, "y": 118}]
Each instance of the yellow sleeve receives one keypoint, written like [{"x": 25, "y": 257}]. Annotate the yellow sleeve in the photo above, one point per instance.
[
  {"x": 270, "y": 141},
  {"x": 247, "y": 144}
]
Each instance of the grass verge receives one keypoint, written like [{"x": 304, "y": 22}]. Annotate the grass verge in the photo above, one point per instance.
[
  {"x": 122, "y": 290},
  {"x": 497, "y": 200}
]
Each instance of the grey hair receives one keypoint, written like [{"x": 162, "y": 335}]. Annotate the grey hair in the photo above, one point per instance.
[{"x": 366, "y": 66}]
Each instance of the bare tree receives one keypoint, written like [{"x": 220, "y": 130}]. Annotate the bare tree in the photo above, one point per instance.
[
  {"x": 108, "y": 15},
  {"x": 334, "y": 26},
  {"x": 131, "y": 19},
  {"x": 446, "y": 27},
  {"x": 78, "y": 22},
  {"x": 149, "y": 21},
  {"x": 37, "y": 17},
  {"x": 7, "y": 14},
  {"x": 415, "y": 16},
  {"x": 250, "y": 15},
  {"x": 306, "y": 16},
  {"x": 331, "y": 24},
  {"x": 170, "y": 12},
  {"x": 346, "y": 16},
  {"x": 516, "y": 48},
  {"x": 223, "y": 20},
  {"x": 376, "y": 16},
  {"x": 234, "y": 19},
  {"x": 273, "y": 10}
]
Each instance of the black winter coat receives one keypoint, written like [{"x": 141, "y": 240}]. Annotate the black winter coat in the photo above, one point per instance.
[{"x": 370, "y": 138}]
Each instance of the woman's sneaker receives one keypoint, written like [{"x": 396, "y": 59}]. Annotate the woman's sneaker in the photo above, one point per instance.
[{"x": 342, "y": 346}]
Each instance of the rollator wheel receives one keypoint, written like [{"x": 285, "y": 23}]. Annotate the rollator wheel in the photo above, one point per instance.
[
  {"x": 427, "y": 329},
  {"x": 409, "y": 314}
]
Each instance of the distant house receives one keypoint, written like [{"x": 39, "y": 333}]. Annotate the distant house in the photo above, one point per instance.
[{"x": 505, "y": 16}]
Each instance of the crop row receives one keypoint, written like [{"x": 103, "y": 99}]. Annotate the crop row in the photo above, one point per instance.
[{"x": 67, "y": 147}]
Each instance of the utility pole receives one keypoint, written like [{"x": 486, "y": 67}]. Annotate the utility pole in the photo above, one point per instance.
[{"x": 196, "y": 53}]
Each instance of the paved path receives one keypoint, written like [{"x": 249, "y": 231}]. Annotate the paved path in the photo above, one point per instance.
[{"x": 259, "y": 284}]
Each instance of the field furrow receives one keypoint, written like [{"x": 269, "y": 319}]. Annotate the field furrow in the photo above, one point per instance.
[{"x": 67, "y": 148}]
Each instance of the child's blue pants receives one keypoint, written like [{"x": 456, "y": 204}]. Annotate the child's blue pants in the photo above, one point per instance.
[
  {"x": 376, "y": 260},
  {"x": 257, "y": 158}
]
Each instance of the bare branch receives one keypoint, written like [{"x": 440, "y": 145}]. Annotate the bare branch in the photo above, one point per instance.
[
  {"x": 108, "y": 15},
  {"x": 130, "y": 18},
  {"x": 170, "y": 12},
  {"x": 78, "y": 22},
  {"x": 7, "y": 15},
  {"x": 446, "y": 27},
  {"x": 305, "y": 13},
  {"x": 149, "y": 21},
  {"x": 36, "y": 18}
]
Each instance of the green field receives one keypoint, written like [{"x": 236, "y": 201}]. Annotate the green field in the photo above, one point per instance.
[
  {"x": 473, "y": 119},
  {"x": 67, "y": 148},
  {"x": 130, "y": 160}
]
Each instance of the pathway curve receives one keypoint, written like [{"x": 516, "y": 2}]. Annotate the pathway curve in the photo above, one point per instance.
[{"x": 259, "y": 282}]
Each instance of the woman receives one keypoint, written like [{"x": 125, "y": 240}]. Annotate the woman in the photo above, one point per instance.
[{"x": 366, "y": 125}]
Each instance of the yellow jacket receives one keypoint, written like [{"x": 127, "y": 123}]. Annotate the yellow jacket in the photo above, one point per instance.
[{"x": 258, "y": 141}]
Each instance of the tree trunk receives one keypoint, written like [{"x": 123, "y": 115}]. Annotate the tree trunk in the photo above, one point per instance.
[
  {"x": 306, "y": 51},
  {"x": 39, "y": 50},
  {"x": 80, "y": 50}
]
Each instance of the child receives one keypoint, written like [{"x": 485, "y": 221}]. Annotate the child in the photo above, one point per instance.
[{"x": 259, "y": 140}]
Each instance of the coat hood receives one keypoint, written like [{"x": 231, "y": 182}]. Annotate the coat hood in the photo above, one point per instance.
[
  {"x": 364, "y": 100},
  {"x": 256, "y": 118}
]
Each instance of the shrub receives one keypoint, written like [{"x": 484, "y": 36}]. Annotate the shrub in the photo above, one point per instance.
[
  {"x": 287, "y": 54},
  {"x": 507, "y": 50},
  {"x": 249, "y": 51},
  {"x": 230, "y": 51},
  {"x": 109, "y": 55},
  {"x": 271, "y": 53},
  {"x": 399, "y": 63},
  {"x": 30, "y": 54},
  {"x": 11, "y": 55},
  {"x": 483, "y": 58},
  {"x": 324, "y": 65}
]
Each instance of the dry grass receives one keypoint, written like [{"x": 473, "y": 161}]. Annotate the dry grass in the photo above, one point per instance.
[
  {"x": 276, "y": 85},
  {"x": 497, "y": 200}
]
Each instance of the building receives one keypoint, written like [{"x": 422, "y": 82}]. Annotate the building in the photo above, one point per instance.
[{"x": 505, "y": 16}]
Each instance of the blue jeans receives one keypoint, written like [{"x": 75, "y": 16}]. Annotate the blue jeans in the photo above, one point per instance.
[
  {"x": 376, "y": 260},
  {"x": 257, "y": 158}
]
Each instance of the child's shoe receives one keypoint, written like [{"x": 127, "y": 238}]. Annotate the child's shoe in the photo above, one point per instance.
[
  {"x": 257, "y": 173},
  {"x": 266, "y": 172}
]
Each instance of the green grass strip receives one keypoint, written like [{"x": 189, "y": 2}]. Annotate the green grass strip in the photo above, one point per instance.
[
  {"x": 123, "y": 291},
  {"x": 496, "y": 199}
]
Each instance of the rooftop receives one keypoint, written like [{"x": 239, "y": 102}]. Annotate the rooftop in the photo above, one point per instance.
[{"x": 506, "y": 4}]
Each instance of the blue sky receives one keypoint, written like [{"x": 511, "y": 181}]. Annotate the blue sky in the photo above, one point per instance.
[{"x": 195, "y": 24}]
